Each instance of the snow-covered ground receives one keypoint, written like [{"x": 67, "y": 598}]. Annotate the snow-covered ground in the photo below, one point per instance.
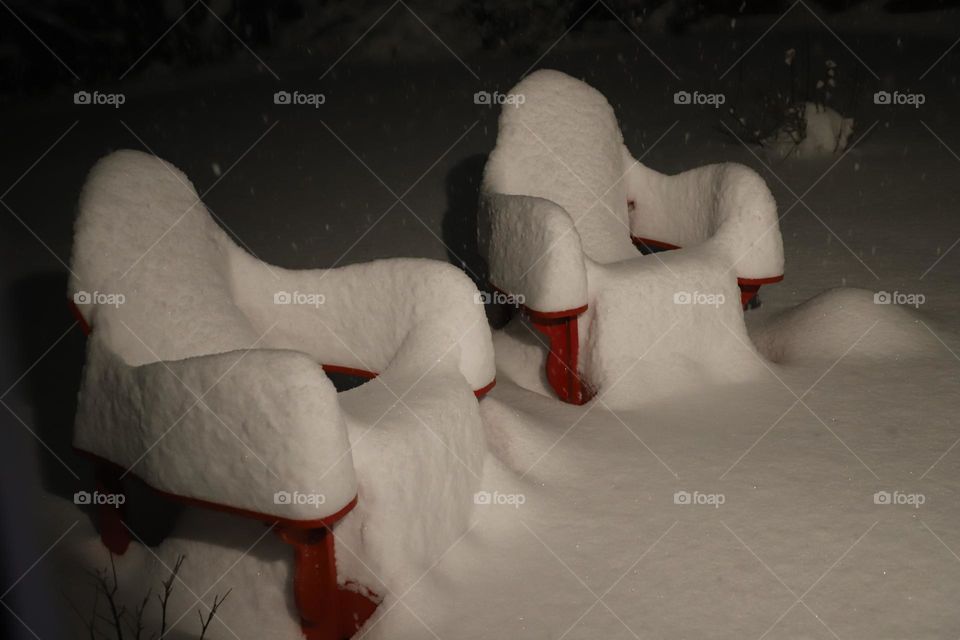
[{"x": 853, "y": 398}]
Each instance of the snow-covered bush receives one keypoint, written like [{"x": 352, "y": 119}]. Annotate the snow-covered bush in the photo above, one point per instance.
[
  {"x": 804, "y": 116},
  {"x": 812, "y": 130}
]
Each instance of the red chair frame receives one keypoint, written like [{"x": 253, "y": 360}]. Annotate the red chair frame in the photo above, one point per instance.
[
  {"x": 562, "y": 366},
  {"x": 327, "y": 611}
]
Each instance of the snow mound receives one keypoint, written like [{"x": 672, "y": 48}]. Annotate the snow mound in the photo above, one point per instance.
[
  {"x": 419, "y": 461},
  {"x": 665, "y": 326},
  {"x": 838, "y": 320},
  {"x": 823, "y": 132}
]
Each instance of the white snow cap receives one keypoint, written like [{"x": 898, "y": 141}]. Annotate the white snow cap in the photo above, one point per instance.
[
  {"x": 204, "y": 366},
  {"x": 563, "y": 144}
]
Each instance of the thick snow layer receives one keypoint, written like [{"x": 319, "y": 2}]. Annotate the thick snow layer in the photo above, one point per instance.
[
  {"x": 534, "y": 250},
  {"x": 369, "y": 315},
  {"x": 831, "y": 322},
  {"x": 419, "y": 462},
  {"x": 667, "y": 326},
  {"x": 142, "y": 233},
  {"x": 204, "y": 371},
  {"x": 233, "y": 428},
  {"x": 136, "y": 209},
  {"x": 563, "y": 144},
  {"x": 726, "y": 205}
]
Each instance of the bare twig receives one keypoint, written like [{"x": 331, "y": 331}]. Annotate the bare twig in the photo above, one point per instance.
[
  {"x": 136, "y": 625},
  {"x": 118, "y": 617},
  {"x": 167, "y": 590},
  {"x": 117, "y": 611},
  {"x": 217, "y": 601}
]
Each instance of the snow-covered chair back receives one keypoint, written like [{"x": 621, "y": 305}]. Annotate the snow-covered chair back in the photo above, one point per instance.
[
  {"x": 561, "y": 141},
  {"x": 210, "y": 296},
  {"x": 133, "y": 208}
]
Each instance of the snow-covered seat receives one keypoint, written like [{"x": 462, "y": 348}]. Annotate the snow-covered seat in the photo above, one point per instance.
[
  {"x": 564, "y": 203},
  {"x": 204, "y": 375}
]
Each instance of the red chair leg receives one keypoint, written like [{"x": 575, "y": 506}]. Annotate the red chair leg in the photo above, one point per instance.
[
  {"x": 562, "y": 361},
  {"x": 327, "y": 612},
  {"x": 356, "y": 609},
  {"x": 314, "y": 581},
  {"x": 113, "y": 532},
  {"x": 747, "y": 292}
]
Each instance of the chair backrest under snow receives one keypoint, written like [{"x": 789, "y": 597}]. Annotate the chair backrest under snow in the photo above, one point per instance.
[
  {"x": 562, "y": 143},
  {"x": 143, "y": 233},
  {"x": 189, "y": 290}
]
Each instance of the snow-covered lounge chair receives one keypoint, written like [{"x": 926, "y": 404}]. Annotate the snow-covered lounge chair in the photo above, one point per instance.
[
  {"x": 205, "y": 367},
  {"x": 564, "y": 203}
]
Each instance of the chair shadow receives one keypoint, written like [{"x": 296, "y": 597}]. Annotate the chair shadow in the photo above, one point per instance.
[
  {"x": 460, "y": 230},
  {"x": 460, "y": 219},
  {"x": 51, "y": 388}
]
